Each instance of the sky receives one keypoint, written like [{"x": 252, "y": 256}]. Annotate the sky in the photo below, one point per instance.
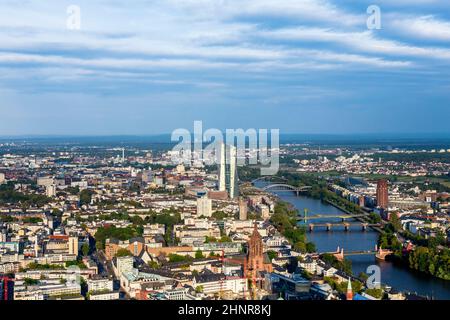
[{"x": 151, "y": 66}]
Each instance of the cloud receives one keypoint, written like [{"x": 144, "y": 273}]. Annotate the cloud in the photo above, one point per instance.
[
  {"x": 425, "y": 27},
  {"x": 365, "y": 41}
]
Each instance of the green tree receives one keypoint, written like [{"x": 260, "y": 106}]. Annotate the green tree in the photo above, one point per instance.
[
  {"x": 199, "y": 254},
  {"x": 153, "y": 264},
  {"x": 86, "y": 196},
  {"x": 310, "y": 247},
  {"x": 376, "y": 293},
  {"x": 85, "y": 249},
  {"x": 272, "y": 254},
  {"x": 395, "y": 221},
  {"x": 122, "y": 252}
]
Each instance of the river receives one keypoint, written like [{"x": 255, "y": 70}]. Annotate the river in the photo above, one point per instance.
[{"x": 398, "y": 277}]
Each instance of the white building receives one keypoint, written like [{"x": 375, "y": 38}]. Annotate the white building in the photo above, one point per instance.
[
  {"x": 100, "y": 284},
  {"x": 204, "y": 207}
]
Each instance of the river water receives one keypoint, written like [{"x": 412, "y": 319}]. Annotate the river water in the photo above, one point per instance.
[{"x": 398, "y": 277}]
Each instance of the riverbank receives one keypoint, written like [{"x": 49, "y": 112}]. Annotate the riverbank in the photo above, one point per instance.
[{"x": 396, "y": 276}]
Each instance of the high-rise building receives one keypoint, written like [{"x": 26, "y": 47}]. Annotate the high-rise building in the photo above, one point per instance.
[
  {"x": 6, "y": 288},
  {"x": 204, "y": 207},
  {"x": 228, "y": 177},
  {"x": 73, "y": 245},
  {"x": 2, "y": 178},
  {"x": 382, "y": 194},
  {"x": 233, "y": 181},
  {"x": 222, "y": 168},
  {"x": 243, "y": 209}
]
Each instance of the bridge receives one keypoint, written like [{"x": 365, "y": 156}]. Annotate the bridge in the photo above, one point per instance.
[
  {"x": 269, "y": 179},
  {"x": 346, "y": 225},
  {"x": 284, "y": 187},
  {"x": 343, "y": 217},
  {"x": 278, "y": 184},
  {"x": 378, "y": 252}
]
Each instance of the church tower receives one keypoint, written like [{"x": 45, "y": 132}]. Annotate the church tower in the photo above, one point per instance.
[
  {"x": 349, "y": 294},
  {"x": 255, "y": 253}
]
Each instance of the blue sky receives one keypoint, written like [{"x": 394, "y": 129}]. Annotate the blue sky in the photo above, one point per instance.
[{"x": 145, "y": 67}]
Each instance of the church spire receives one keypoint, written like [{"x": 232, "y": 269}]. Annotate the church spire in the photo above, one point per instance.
[{"x": 349, "y": 294}]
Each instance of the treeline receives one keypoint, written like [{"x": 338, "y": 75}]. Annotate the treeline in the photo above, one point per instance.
[
  {"x": 285, "y": 220},
  {"x": 111, "y": 232},
  {"x": 10, "y": 196},
  {"x": 344, "y": 265},
  {"x": 433, "y": 261},
  {"x": 415, "y": 157},
  {"x": 429, "y": 256},
  {"x": 167, "y": 218}
]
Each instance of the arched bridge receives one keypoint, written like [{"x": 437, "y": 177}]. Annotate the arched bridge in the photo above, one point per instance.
[
  {"x": 269, "y": 179},
  {"x": 276, "y": 183},
  {"x": 284, "y": 187}
]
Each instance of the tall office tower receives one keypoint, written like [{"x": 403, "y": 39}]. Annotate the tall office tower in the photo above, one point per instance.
[
  {"x": 233, "y": 182},
  {"x": 2, "y": 178},
  {"x": 382, "y": 194},
  {"x": 242, "y": 209},
  {"x": 222, "y": 168},
  {"x": 204, "y": 207},
  {"x": 228, "y": 179},
  {"x": 73, "y": 245},
  {"x": 36, "y": 247},
  {"x": 6, "y": 288}
]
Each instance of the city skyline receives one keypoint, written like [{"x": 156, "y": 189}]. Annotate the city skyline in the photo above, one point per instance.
[{"x": 308, "y": 66}]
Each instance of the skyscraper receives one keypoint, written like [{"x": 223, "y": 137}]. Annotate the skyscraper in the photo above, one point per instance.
[
  {"x": 73, "y": 245},
  {"x": 228, "y": 177},
  {"x": 233, "y": 183},
  {"x": 6, "y": 288},
  {"x": 382, "y": 194},
  {"x": 242, "y": 209},
  {"x": 222, "y": 168}
]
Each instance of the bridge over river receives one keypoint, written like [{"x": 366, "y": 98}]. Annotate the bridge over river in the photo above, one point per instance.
[{"x": 340, "y": 254}]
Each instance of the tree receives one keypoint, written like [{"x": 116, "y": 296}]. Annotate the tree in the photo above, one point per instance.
[
  {"x": 272, "y": 254},
  {"x": 85, "y": 249},
  {"x": 30, "y": 282},
  {"x": 225, "y": 239},
  {"x": 310, "y": 247},
  {"x": 395, "y": 221},
  {"x": 374, "y": 292},
  {"x": 199, "y": 254},
  {"x": 123, "y": 253},
  {"x": 153, "y": 264},
  {"x": 86, "y": 196},
  {"x": 199, "y": 289}
]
